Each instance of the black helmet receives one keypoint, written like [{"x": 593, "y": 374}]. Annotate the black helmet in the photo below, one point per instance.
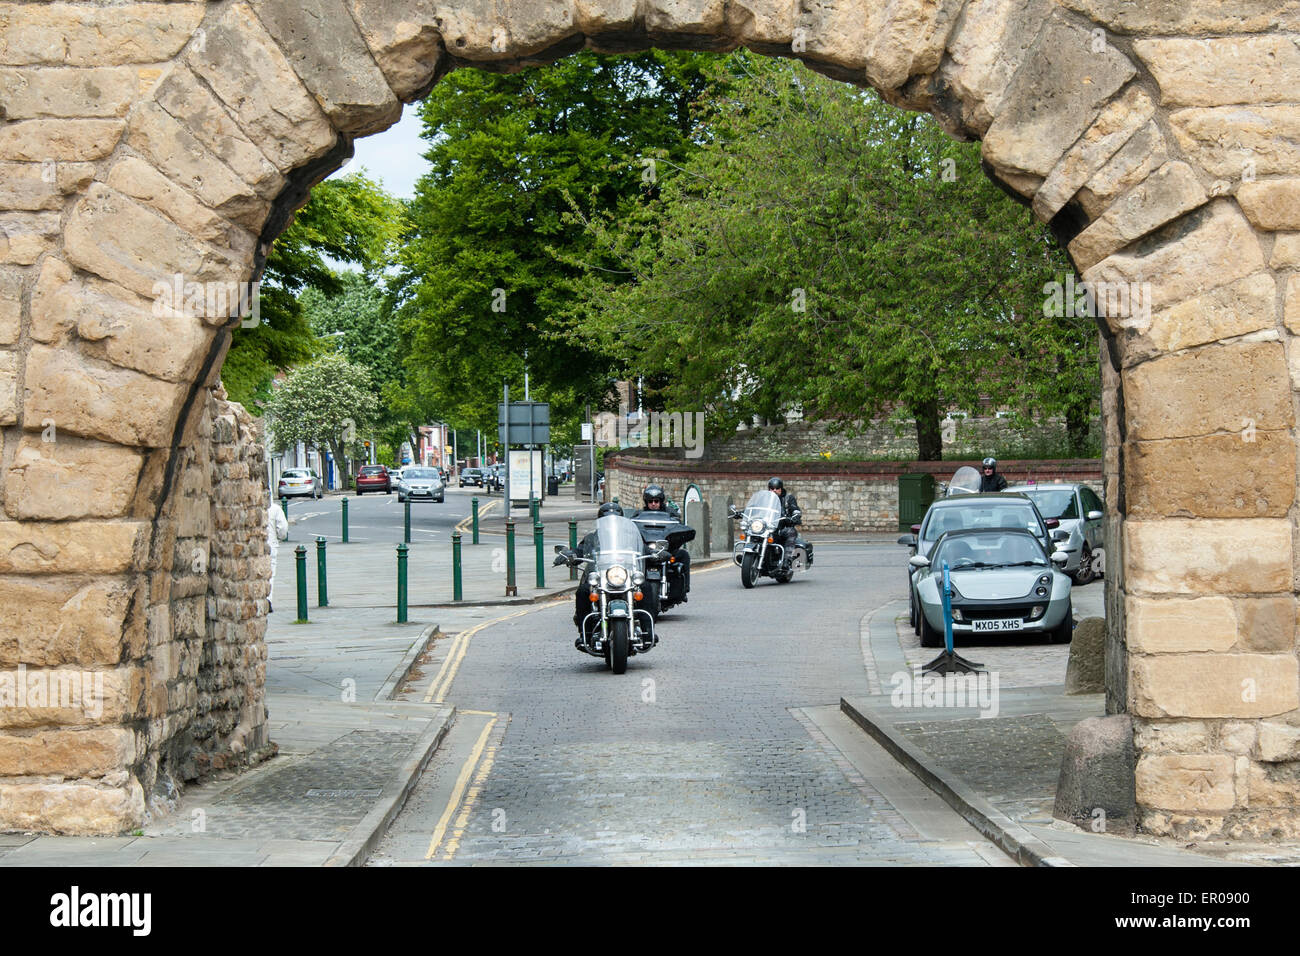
[
  {"x": 775, "y": 484},
  {"x": 608, "y": 508},
  {"x": 991, "y": 463},
  {"x": 653, "y": 493}
]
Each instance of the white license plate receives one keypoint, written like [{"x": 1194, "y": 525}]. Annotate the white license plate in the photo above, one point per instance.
[{"x": 997, "y": 624}]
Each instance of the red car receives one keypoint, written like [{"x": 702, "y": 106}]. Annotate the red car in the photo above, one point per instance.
[{"x": 374, "y": 478}]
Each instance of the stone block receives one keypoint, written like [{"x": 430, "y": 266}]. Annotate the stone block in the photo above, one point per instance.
[
  {"x": 1201, "y": 782},
  {"x": 11, "y": 305},
  {"x": 320, "y": 40},
  {"x": 1054, "y": 97},
  {"x": 59, "y": 140},
  {"x": 120, "y": 327},
  {"x": 67, "y": 753},
  {"x": 70, "y": 478},
  {"x": 1179, "y": 625},
  {"x": 67, "y": 696},
  {"x": 1096, "y": 789},
  {"x": 70, "y": 92},
  {"x": 113, "y": 404},
  {"x": 1207, "y": 556},
  {"x": 1244, "y": 306},
  {"x": 1174, "y": 17},
  {"x": 1214, "y": 685},
  {"x": 1171, "y": 736},
  {"x": 1249, "y": 475},
  {"x": 250, "y": 74},
  {"x": 1238, "y": 388},
  {"x": 135, "y": 178},
  {"x": 836, "y": 33},
  {"x": 62, "y": 621},
  {"x": 1235, "y": 141},
  {"x": 911, "y": 40},
  {"x": 79, "y": 34},
  {"x": 1222, "y": 71},
  {"x": 1275, "y": 785},
  {"x": 1273, "y": 204},
  {"x": 1267, "y": 624},
  {"x": 94, "y": 547},
  {"x": 1203, "y": 250},
  {"x": 1278, "y": 742},
  {"x": 1168, "y": 193},
  {"x": 26, "y": 236},
  {"x": 1286, "y": 251},
  {"x": 1085, "y": 672},
  {"x": 406, "y": 43},
  {"x": 71, "y": 809},
  {"x": 991, "y": 40},
  {"x": 37, "y": 186},
  {"x": 1291, "y": 303},
  {"x": 1237, "y": 736},
  {"x": 9, "y": 367}
]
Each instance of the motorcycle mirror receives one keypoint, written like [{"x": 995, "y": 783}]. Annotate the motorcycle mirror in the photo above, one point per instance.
[
  {"x": 559, "y": 549},
  {"x": 559, "y": 560}
]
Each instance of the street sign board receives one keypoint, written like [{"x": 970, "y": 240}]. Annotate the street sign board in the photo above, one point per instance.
[{"x": 529, "y": 423}]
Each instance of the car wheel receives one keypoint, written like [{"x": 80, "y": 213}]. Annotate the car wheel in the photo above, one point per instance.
[
  {"x": 911, "y": 609},
  {"x": 1064, "y": 632},
  {"x": 1084, "y": 573},
  {"x": 929, "y": 636}
]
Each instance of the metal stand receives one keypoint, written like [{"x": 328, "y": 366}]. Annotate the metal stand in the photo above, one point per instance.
[{"x": 949, "y": 662}]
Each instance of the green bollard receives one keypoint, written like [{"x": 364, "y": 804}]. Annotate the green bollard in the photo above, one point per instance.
[
  {"x": 532, "y": 509},
  {"x": 511, "y": 590},
  {"x": 456, "y": 593},
  {"x": 300, "y": 568},
  {"x": 345, "y": 520},
  {"x": 407, "y": 532},
  {"x": 616, "y": 499},
  {"x": 474, "y": 504},
  {"x": 538, "y": 533},
  {"x": 573, "y": 546},
  {"x": 322, "y": 594},
  {"x": 401, "y": 583}
]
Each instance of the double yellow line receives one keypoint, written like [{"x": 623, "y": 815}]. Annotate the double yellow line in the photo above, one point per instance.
[
  {"x": 463, "y": 525},
  {"x": 460, "y": 644},
  {"x": 459, "y": 797}
]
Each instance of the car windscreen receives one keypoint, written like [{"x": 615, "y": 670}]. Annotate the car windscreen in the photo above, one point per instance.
[
  {"x": 992, "y": 550},
  {"x": 966, "y": 517},
  {"x": 1055, "y": 502},
  {"x": 419, "y": 473},
  {"x": 372, "y": 470}
]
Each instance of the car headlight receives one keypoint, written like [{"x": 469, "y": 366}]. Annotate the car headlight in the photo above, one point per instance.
[
  {"x": 616, "y": 577},
  {"x": 1036, "y": 611},
  {"x": 1044, "y": 585}
]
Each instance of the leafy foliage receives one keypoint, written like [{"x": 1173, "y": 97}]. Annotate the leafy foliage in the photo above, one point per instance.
[{"x": 326, "y": 403}]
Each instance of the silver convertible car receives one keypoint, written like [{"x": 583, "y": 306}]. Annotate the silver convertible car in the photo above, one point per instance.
[{"x": 1002, "y": 582}]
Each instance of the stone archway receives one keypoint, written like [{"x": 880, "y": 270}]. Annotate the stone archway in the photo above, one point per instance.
[{"x": 149, "y": 140}]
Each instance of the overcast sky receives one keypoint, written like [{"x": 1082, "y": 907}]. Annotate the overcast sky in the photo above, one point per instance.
[{"x": 393, "y": 157}]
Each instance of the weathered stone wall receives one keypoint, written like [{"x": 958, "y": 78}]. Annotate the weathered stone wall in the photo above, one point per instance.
[
  {"x": 146, "y": 141},
  {"x": 833, "y": 496},
  {"x": 968, "y": 438}
]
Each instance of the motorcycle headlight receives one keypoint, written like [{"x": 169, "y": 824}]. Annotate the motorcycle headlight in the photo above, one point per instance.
[
  {"x": 616, "y": 577},
  {"x": 637, "y": 578},
  {"x": 758, "y": 527}
]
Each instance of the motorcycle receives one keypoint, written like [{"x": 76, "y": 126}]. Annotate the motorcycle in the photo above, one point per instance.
[
  {"x": 616, "y": 627},
  {"x": 665, "y": 584},
  {"x": 757, "y": 554}
]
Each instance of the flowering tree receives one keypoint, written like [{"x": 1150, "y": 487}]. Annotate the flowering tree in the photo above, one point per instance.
[{"x": 324, "y": 403}]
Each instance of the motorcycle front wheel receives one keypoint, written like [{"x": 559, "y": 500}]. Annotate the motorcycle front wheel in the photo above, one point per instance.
[
  {"x": 748, "y": 569},
  {"x": 619, "y": 640}
]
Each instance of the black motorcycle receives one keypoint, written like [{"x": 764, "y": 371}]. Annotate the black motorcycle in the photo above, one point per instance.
[
  {"x": 665, "y": 584},
  {"x": 757, "y": 553},
  {"x": 618, "y": 624}
]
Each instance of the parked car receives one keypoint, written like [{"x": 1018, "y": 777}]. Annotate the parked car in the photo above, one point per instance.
[
  {"x": 1081, "y": 514},
  {"x": 972, "y": 511},
  {"x": 421, "y": 484},
  {"x": 471, "y": 476},
  {"x": 396, "y": 474},
  {"x": 374, "y": 478},
  {"x": 1003, "y": 582},
  {"x": 295, "y": 482}
]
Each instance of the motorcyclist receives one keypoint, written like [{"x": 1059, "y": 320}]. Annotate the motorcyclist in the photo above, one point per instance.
[
  {"x": 990, "y": 480},
  {"x": 656, "y": 502},
  {"x": 792, "y": 517},
  {"x": 587, "y": 548}
]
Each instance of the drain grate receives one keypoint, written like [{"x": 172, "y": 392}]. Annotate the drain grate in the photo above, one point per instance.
[{"x": 344, "y": 794}]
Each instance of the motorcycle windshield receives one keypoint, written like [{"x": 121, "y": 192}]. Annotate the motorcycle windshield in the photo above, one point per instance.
[
  {"x": 965, "y": 481},
  {"x": 764, "y": 506},
  {"x": 618, "y": 542}
]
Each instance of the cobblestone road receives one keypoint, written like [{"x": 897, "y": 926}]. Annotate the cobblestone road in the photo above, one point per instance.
[{"x": 697, "y": 754}]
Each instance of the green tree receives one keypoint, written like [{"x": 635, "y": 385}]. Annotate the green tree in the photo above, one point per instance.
[
  {"x": 348, "y": 220},
  {"x": 325, "y": 403},
  {"x": 488, "y": 270},
  {"x": 827, "y": 252}
]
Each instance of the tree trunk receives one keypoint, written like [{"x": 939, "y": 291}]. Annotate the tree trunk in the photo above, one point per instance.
[{"x": 929, "y": 434}]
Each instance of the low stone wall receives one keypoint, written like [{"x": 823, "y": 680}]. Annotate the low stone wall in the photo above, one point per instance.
[{"x": 834, "y": 496}]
